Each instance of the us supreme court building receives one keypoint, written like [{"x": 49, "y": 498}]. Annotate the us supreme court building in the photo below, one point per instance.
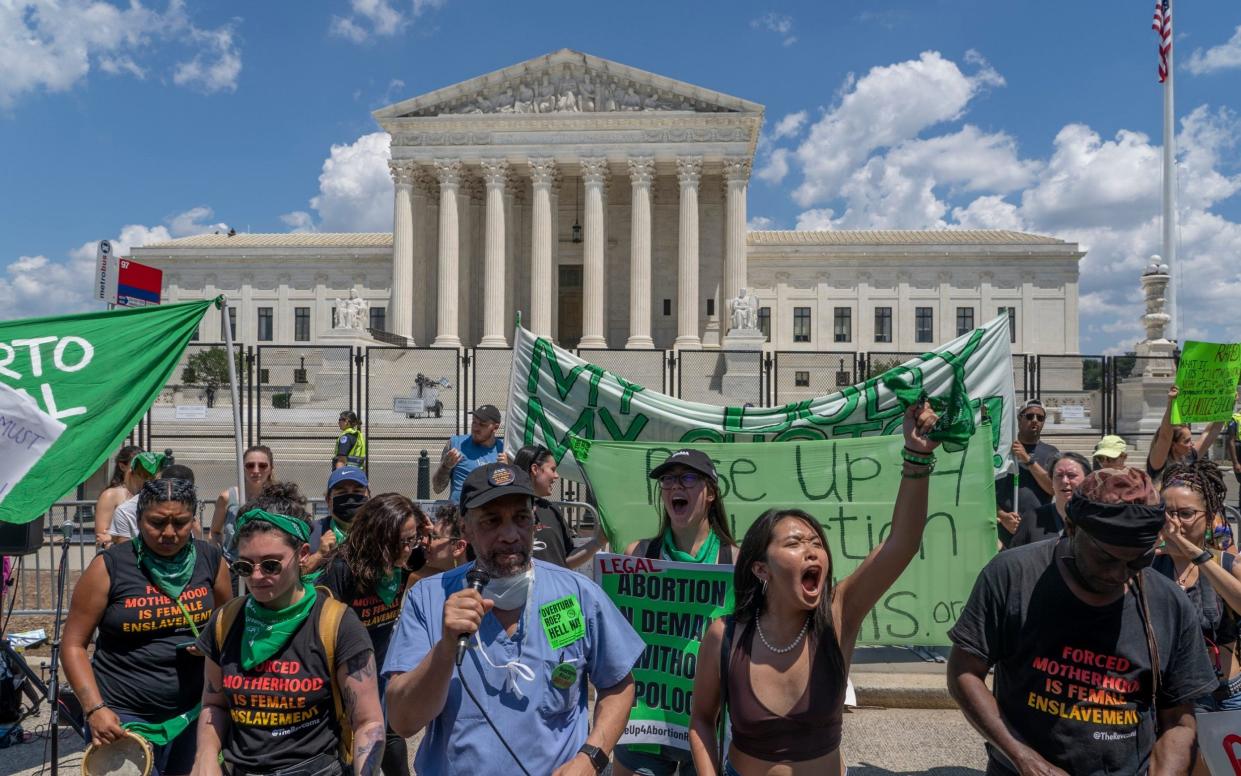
[{"x": 608, "y": 206}]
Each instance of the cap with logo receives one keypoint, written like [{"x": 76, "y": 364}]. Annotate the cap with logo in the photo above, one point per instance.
[
  {"x": 347, "y": 474},
  {"x": 492, "y": 481},
  {"x": 488, "y": 412},
  {"x": 1110, "y": 446},
  {"x": 690, "y": 459},
  {"x": 1032, "y": 403}
]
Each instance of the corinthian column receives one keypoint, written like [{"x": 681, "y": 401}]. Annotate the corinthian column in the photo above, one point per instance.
[
  {"x": 495, "y": 176},
  {"x": 401, "y": 305},
  {"x": 736, "y": 180},
  {"x": 689, "y": 171},
  {"x": 641, "y": 173},
  {"x": 594, "y": 171},
  {"x": 449, "y": 173},
  {"x": 541, "y": 174}
]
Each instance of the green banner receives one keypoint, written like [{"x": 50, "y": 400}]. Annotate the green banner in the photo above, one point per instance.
[
  {"x": 97, "y": 373},
  {"x": 1207, "y": 378},
  {"x": 670, "y": 605},
  {"x": 850, "y": 486}
]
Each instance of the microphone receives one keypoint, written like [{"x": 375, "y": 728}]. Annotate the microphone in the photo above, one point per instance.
[{"x": 477, "y": 579}]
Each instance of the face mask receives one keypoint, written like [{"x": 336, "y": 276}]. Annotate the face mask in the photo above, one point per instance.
[
  {"x": 417, "y": 559},
  {"x": 509, "y": 592},
  {"x": 346, "y": 505}
]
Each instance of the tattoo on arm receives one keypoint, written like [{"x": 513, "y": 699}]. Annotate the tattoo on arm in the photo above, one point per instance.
[
  {"x": 358, "y": 668},
  {"x": 369, "y": 758}
]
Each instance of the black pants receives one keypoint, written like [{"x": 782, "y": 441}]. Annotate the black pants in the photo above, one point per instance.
[{"x": 396, "y": 755}]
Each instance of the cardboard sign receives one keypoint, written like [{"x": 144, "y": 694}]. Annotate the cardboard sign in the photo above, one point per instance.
[{"x": 1207, "y": 378}]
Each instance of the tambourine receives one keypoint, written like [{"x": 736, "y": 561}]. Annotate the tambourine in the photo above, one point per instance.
[{"x": 129, "y": 755}]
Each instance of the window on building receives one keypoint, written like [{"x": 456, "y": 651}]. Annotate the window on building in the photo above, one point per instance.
[
  {"x": 265, "y": 329},
  {"x": 301, "y": 324},
  {"x": 883, "y": 324},
  {"x": 194, "y": 336},
  {"x": 232, "y": 324},
  {"x": 764, "y": 322},
  {"x": 965, "y": 320},
  {"x": 801, "y": 379},
  {"x": 801, "y": 324},
  {"x": 711, "y": 306},
  {"x": 667, "y": 307},
  {"x": 334, "y": 321},
  {"x": 842, "y": 324},
  {"x": 924, "y": 324},
  {"x": 1011, "y": 312},
  {"x": 379, "y": 317}
]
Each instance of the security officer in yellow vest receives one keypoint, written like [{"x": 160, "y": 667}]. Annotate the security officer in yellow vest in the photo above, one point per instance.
[{"x": 351, "y": 444}]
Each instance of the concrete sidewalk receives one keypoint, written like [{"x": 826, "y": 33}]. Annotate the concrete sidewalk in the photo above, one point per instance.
[{"x": 900, "y": 678}]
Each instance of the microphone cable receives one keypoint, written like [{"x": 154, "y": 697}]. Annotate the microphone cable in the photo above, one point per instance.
[{"x": 492, "y": 725}]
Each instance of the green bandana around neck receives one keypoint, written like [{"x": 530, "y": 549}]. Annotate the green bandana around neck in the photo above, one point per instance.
[
  {"x": 152, "y": 462},
  {"x": 340, "y": 531},
  {"x": 298, "y": 529},
  {"x": 388, "y": 586},
  {"x": 170, "y": 575},
  {"x": 266, "y": 631},
  {"x": 707, "y": 553}
]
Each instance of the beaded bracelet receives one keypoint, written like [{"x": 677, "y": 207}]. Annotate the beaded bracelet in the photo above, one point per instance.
[{"x": 917, "y": 458}]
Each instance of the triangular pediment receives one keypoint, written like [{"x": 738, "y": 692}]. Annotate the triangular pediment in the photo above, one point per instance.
[{"x": 567, "y": 82}]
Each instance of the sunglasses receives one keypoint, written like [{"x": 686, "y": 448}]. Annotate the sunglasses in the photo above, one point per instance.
[
  {"x": 1137, "y": 564},
  {"x": 684, "y": 479},
  {"x": 258, "y": 466},
  {"x": 269, "y": 566},
  {"x": 1034, "y": 416}
]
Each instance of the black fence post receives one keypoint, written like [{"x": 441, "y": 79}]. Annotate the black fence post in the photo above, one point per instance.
[
  {"x": 769, "y": 367},
  {"x": 424, "y": 476},
  {"x": 467, "y": 382}
]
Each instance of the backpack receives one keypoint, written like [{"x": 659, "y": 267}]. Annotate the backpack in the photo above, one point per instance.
[{"x": 329, "y": 627}]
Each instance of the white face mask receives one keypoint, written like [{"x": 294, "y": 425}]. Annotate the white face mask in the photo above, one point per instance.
[{"x": 510, "y": 592}]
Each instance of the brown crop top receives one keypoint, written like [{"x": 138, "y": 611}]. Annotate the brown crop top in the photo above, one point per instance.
[{"x": 811, "y": 729}]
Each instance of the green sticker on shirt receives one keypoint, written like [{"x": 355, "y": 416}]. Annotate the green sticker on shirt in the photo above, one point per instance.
[{"x": 562, "y": 621}]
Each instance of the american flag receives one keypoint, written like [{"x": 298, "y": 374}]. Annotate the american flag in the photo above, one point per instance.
[{"x": 1163, "y": 28}]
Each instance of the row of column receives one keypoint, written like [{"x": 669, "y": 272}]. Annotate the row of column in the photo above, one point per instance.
[{"x": 496, "y": 174}]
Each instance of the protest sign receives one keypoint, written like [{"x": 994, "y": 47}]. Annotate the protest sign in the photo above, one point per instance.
[
  {"x": 97, "y": 373},
  {"x": 554, "y": 393},
  {"x": 849, "y": 486},
  {"x": 1219, "y": 740},
  {"x": 1207, "y": 378},
  {"x": 670, "y": 605},
  {"x": 26, "y": 433}
]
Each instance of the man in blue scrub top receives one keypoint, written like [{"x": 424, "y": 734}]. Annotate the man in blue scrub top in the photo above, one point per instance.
[{"x": 537, "y": 634}]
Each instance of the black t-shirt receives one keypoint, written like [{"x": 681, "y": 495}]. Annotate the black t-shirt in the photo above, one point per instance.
[
  {"x": 552, "y": 540},
  {"x": 377, "y": 617},
  {"x": 281, "y": 711},
  {"x": 1038, "y": 524},
  {"x": 1074, "y": 681},
  {"x": 1217, "y": 621},
  {"x": 138, "y": 665}
]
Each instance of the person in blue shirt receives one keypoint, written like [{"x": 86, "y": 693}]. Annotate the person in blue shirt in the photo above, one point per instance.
[
  {"x": 463, "y": 453},
  {"x": 537, "y": 634}
]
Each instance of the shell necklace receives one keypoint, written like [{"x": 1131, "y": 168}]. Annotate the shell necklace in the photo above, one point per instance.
[{"x": 782, "y": 650}]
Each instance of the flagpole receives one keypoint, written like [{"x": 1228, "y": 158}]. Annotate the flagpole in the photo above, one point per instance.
[
  {"x": 1169, "y": 194},
  {"x": 236, "y": 395}
]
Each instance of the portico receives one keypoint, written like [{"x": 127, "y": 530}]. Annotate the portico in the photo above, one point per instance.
[{"x": 633, "y": 182}]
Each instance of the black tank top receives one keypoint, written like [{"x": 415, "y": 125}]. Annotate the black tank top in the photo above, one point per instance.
[{"x": 138, "y": 665}]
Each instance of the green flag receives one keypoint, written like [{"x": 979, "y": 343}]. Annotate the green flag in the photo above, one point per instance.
[
  {"x": 849, "y": 485},
  {"x": 97, "y": 373}
]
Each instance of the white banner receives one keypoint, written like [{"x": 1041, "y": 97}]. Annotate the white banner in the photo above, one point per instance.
[
  {"x": 26, "y": 432},
  {"x": 1219, "y": 739},
  {"x": 554, "y": 394}
]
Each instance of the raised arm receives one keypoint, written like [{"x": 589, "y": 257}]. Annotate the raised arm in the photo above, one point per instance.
[
  {"x": 443, "y": 473},
  {"x": 212, "y": 722},
  {"x": 1157, "y": 458},
  {"x": 705, "y": 707},
  {"x": 860, "y": 591},
  {"x": 218, "y": 519},
  {"x": 360, "y": 693},
  {"x": 1208, "y": 438}
]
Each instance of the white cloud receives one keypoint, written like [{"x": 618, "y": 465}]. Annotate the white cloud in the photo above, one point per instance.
[
  {"x": 52, "y": 46},
  {"x": 780, "y": 24},
  {"x": 990, "y": 211},
  {"x": 760, "y": 223},
  {"x": 190, "y": 222},
  {"x": 355, "y": 190},
  {"x": 377, "y": 19},
  {"x": 776, "y": 167},
  {"x": 816, "y": 219},
  {"x": 1222, "y": 57},
  {"x": 789, "y": 126}
]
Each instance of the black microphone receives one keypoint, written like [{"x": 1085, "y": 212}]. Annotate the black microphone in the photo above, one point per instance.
[{"x": 477, "y": 579}]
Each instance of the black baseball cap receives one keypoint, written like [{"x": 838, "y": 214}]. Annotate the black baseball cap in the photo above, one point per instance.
[
  {"x": 488, "y": 412},
  {"x": 690, "y": 459},
  {"x": 492, "y": 481}
]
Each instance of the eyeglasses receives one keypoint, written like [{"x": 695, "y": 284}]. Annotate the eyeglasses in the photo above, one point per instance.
[
  {"x": 1034, "y": 416},
  {"x": 1184, "y": 514},
  {"x": 258, "y": 466},
  {"x": 412, "y": 541},
  {"x": 1136, "y": 564},
  {"x": 686, "y": 480},
  {"x": 269, "y": 566}
]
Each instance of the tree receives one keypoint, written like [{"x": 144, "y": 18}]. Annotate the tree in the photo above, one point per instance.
[{"x": 209, "y": 368}]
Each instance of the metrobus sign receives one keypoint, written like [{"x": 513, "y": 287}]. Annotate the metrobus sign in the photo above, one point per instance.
[{"x": 137, "y": 285}]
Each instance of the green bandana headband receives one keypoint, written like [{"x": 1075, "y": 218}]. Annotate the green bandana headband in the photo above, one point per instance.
[
  {"x": 298, "y": 529},
  {"x": 152, "y": 462}
]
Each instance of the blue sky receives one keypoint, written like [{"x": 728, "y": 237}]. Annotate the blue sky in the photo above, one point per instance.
[{"x": 141, "y": 121}]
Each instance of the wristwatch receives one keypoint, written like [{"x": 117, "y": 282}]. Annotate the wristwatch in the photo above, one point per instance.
[
  {"x": 598, "y": 757},
  {"x": 1205, "y": 557}
]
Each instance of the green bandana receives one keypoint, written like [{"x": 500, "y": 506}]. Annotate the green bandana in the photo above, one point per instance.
[
  {"x": 340, "y": 531},
  {"x": 298, "y": 529},
  {"x": 268, "y": 630},
  {"x": 707, "y": 553},
  {"x": 387, "y": 586},
  {"x": 170, "y": 575},
  {"x": 163, "y": 733},
  {"x": 152, "y": 462}
]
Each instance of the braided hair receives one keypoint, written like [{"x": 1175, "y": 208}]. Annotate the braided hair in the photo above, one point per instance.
[
  {"x": 1203, "y": 478},
  {"x": 164, "y": 491}
]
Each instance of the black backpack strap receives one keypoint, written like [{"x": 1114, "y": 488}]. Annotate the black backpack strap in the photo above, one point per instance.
[
  {"x": 727, "y": 554},
  {"x": 649, "y": 548},
  {"x": 726, "y": 645}
]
